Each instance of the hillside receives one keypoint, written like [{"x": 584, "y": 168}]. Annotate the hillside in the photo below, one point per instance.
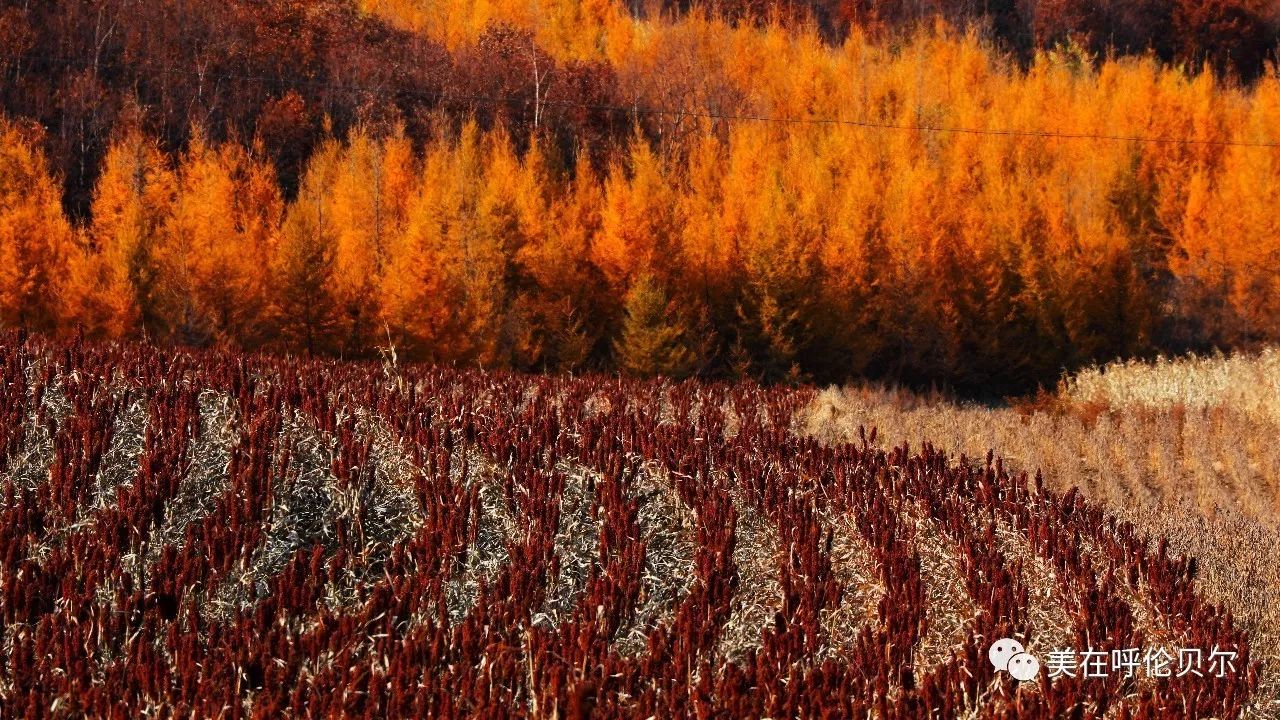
[
  {"x": 233, "y": 535},
  {"x": 684, "y": 191}
]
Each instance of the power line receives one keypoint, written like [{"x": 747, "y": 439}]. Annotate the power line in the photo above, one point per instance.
[{"x": 446, "y": 97}]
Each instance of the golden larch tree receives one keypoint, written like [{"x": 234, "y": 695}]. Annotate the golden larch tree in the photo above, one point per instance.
[
  {"x": 213, "y": 254},
  {"x": 115, "y": 278},
  {"x": 35, "y": 238}
]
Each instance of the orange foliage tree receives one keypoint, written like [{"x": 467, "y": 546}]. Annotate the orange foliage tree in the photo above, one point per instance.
[
  {"x": 115, "y": 289},
  {"x": 216, "y": 244},
  {"x": 35, "y": 238}
]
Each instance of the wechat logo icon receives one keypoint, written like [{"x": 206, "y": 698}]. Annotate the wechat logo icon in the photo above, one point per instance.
[{"x": 1008, "y": 655}]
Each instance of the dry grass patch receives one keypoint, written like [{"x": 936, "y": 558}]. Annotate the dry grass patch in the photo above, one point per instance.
[{"x": 1184, "y": 449}]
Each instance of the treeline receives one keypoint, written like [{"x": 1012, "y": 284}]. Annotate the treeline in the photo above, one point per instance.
[
  {"x": 798, "y": 250},
  {"x": 1233, "y": 36}
]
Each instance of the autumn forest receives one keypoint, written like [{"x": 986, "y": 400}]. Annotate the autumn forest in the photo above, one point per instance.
[{"x": 972, "y": 195}]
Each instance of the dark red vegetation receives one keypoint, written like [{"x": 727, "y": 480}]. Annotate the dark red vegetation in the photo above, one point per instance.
[{"x": 116, "y": 598}]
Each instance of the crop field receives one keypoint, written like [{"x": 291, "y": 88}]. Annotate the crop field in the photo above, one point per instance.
[
  {"x": 211, "y": 534},
  {"x": 1184, "y": 450}
]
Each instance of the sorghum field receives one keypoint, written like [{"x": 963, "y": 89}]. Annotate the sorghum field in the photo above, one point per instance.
[
  {"x": 205, "y": 534},
  {"x": 1183, "y": 448}
]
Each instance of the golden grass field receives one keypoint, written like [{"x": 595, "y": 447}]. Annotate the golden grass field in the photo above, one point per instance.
[{"x": 1185, "y": 449}]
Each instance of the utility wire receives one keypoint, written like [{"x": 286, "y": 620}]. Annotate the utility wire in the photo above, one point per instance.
[
  {"x": 634, "y": 111},
  {"x": 446, "y": 97}
]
